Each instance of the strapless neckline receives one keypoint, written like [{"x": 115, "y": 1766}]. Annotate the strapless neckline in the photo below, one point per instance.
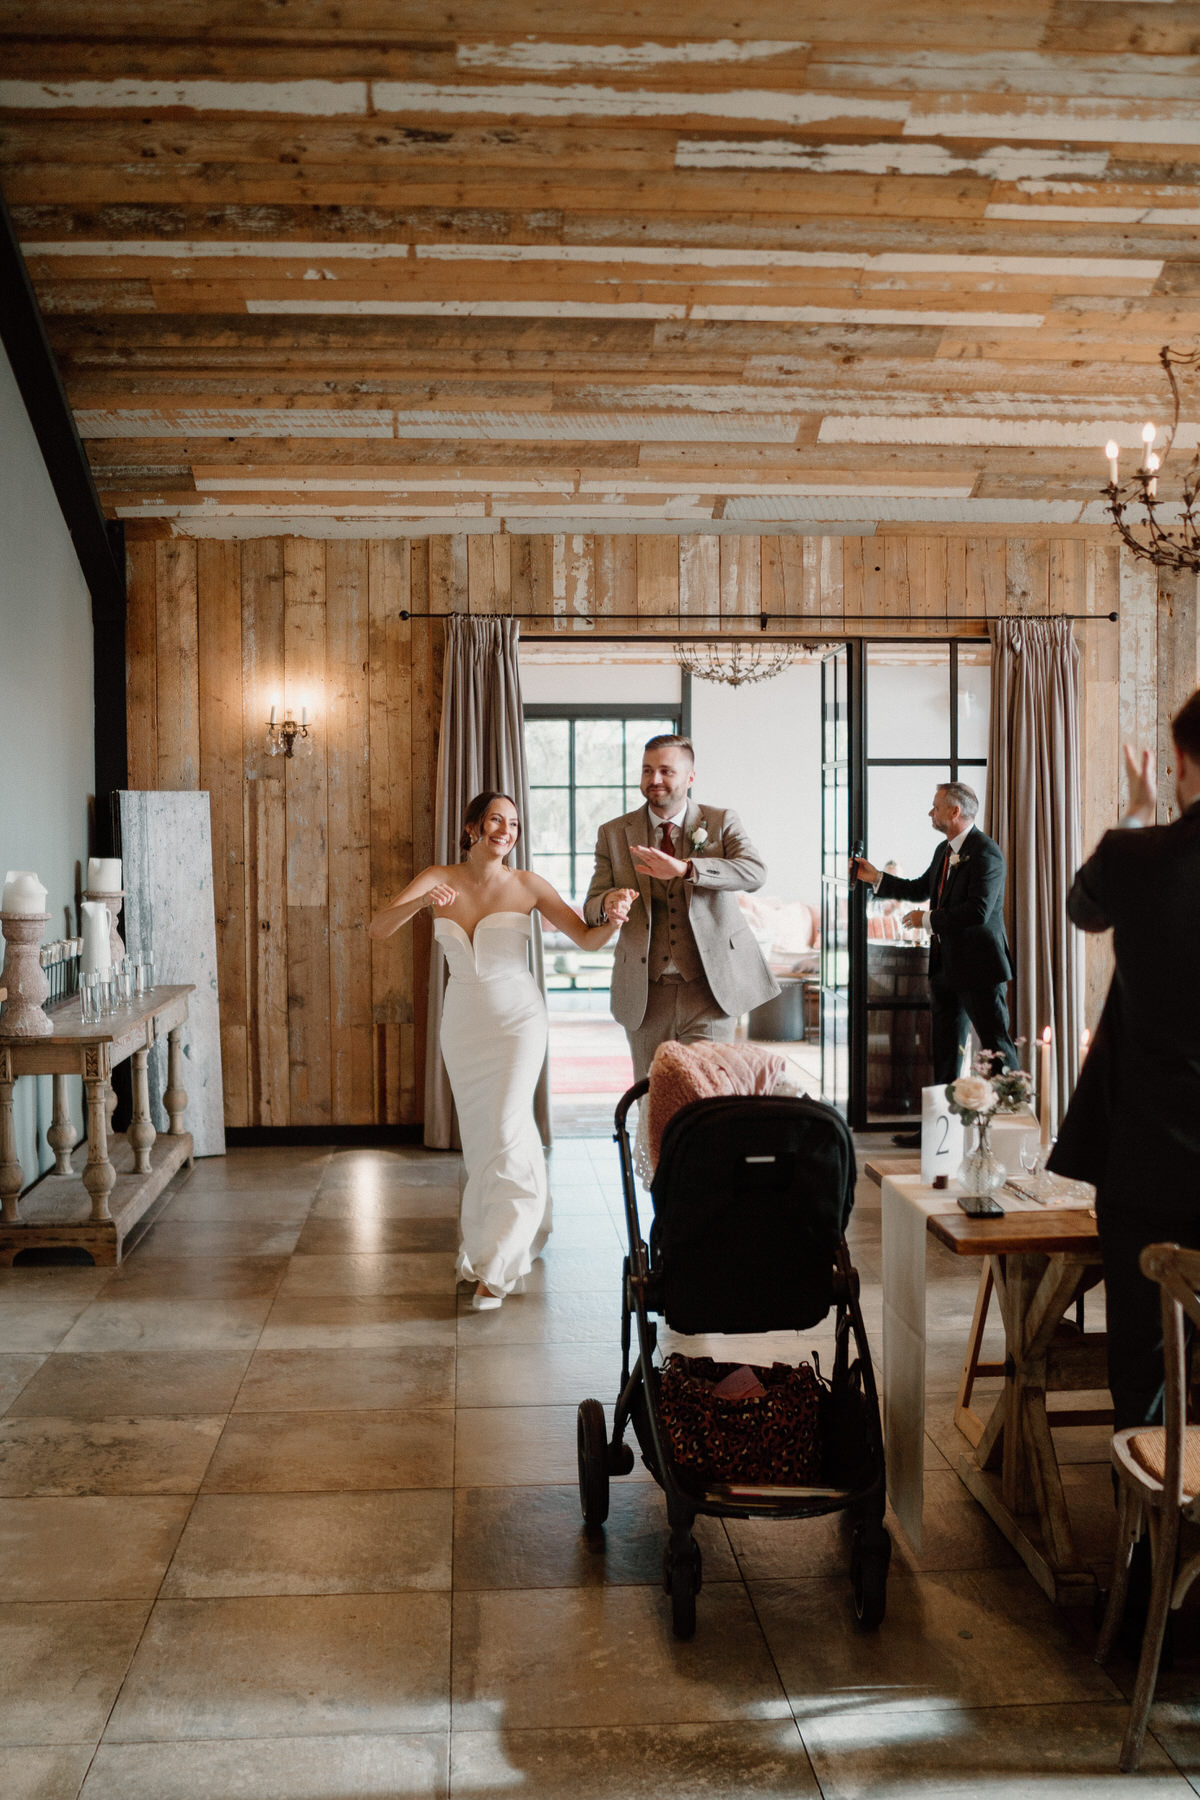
[{"x": 469, "y": 938}]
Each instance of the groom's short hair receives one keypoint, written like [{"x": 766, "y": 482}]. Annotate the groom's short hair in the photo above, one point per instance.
[{"x": 669, "y": 740}]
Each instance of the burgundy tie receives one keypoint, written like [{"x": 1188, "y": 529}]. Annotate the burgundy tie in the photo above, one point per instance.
[
  {"x": 942, "y": 879},
  {"x": 666, "y": 837}
]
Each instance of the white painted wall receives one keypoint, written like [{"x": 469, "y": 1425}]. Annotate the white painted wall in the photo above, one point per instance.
[
  {"x": 47, "y": 767},
  {"x": 758, "y": 749}
]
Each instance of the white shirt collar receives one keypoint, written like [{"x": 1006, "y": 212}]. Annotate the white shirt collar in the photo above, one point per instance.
[
  {"x": 675, "y": 819},
  {"x": 957, "y": 843}
]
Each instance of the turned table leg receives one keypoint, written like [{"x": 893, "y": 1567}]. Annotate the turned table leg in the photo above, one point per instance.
[
  {"x": 12, "y": 1175},
  {"x": 99, "y": 1175},
  {"x": 141, "y": 1129},
  {"x": 175, "y": 1095},
  {"x": 62, "y": 1135}
]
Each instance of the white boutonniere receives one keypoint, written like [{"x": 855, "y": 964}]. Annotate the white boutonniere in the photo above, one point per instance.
[
  {"x": 698, "y": 838},
  {"x": 956, "y": 858}
]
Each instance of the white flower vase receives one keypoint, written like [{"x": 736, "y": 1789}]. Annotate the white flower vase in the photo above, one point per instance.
[{"x": 981, "y": 1174}]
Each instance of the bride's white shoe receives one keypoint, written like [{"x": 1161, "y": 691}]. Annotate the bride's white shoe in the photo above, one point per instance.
[{"x": 483, "y": 1299}]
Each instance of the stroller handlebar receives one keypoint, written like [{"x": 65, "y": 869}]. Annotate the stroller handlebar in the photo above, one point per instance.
[{"x": 626, "y": 1101}]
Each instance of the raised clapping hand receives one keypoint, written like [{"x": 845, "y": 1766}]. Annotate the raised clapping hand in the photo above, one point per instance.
[
  {"x": 656, "y": 863},
  {"x": 1143, "y": 785},
  {"x": 617, "y": 904},
  {"x": 442, "y": 895}
]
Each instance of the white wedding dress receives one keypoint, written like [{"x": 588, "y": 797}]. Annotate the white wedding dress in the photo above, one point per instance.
[{"x": 494, "y": 1032}]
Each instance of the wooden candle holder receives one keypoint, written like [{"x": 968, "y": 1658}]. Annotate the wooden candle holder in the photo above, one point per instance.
[
  {"x": 27, "y": 986},
  {"x": 113, "y": 901}
]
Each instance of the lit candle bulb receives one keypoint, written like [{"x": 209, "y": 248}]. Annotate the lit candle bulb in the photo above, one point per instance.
[
  {"x": 1112, "y": 450},
  {"x": 1149, "y": 432},
  {"x": 274, "y": 710},
  {"x": 1153, "y": 463},
  {"x": 304, "y": 715},
  {"x": 1044, "y": 1084}
]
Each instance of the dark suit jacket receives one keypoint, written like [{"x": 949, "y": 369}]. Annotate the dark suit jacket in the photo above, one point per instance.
[
  {"x": 1133, "y": 1125},
  {"x": 969, "y": 947}
]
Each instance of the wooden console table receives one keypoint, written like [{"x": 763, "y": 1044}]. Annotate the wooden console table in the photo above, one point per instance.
[{"x": 96, "y": 1208}]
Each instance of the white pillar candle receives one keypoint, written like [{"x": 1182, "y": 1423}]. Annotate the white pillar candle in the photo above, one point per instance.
[
  {"x": 104, "y": 875},
  {"x": 23, "y": 893},
  {"x": 96, "y": 958},
  {"x": 1044, "y": 1084}
]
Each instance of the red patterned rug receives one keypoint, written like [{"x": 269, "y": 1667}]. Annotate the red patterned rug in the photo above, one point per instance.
[{"x": 590, "y": 1074}]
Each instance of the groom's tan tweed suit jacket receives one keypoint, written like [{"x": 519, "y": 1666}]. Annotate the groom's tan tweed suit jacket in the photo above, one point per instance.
[{"x": 728, "y": 953}]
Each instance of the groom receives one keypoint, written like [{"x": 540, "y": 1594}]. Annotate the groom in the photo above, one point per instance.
[{"x": 687, "y": 964}]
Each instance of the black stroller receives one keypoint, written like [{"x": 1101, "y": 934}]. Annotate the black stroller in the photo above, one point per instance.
[{"x": 751, "y": 1198}]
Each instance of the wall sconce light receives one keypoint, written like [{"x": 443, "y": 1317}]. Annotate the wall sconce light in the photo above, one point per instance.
[{"x": 284, "y": 737}]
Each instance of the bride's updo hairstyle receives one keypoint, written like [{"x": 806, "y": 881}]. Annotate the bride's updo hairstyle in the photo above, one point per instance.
[{"x": 476, "y": 813}]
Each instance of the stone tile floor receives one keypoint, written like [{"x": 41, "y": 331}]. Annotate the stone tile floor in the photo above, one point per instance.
[{"x": 281, "y": 1518}]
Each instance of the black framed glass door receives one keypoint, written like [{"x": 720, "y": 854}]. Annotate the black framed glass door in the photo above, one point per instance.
[{"x": 842, "y": 913}]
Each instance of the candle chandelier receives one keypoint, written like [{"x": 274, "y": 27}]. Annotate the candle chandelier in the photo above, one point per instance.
[
  {"x": 736, "y": 661},
  {"x": 1167, "y": 534}
]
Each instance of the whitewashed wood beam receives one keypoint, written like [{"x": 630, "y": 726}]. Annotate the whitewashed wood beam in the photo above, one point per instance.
[
  {"x": 331, "y": 306},
  {"x": 1003, "y": 162},
  {"x": 1047, "y": 433},
  {"x": 542, "y": 56}
]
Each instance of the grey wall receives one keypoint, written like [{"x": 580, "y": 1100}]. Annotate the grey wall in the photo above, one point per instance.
[{"x": 46, "y": 753}]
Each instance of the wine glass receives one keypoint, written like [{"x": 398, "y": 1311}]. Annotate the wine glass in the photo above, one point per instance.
[{"x": 1033, "y": 1155}]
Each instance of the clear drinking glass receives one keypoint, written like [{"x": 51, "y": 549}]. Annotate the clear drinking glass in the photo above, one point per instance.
[
  {"x": 125, "y": 979},
  {"x": 146, "y": 975},
  {"x": 88, "y": 1011}
]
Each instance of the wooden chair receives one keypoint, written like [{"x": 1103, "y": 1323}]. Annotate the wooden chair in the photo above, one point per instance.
[{"x": 1158, "y": 1476}]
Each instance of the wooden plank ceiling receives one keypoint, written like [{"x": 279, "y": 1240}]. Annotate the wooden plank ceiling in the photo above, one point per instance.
[{"x": 391, "y": 266}]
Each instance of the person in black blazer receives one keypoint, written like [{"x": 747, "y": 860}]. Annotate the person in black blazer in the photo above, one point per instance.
[
  {"x": 969, "y": 962},
  {"x": 1133, "y": 1125}
]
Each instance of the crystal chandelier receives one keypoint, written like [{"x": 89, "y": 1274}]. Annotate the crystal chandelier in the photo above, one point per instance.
[
  {"x": 1135, "y": 504},
  {"x": 735, "y": 661}
]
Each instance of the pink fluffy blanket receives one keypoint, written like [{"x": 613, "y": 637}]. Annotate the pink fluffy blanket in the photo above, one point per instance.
[{"x": 681, "y": 1073}]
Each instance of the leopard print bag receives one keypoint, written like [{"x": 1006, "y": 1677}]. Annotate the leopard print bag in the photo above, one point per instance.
[{"x": 771, "y": 1439}]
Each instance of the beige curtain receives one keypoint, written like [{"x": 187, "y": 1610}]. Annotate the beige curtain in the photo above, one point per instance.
[
  {"x": 1033, "y": 812},
  {"x": 481, "y": 745}
]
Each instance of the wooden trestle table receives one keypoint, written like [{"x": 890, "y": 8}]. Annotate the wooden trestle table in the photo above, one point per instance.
[
  {"x": 1037, "y": 1262},
  {"x": 95, "y": 1206}
]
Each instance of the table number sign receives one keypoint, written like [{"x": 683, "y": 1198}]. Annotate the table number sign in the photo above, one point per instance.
[{"x": 941, "y": 1136}]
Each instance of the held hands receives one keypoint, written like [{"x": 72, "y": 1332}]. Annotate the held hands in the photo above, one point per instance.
[
  {"x": 656, "y": 863},
  {"x": 617, "y": 904},
  {"x": 1143, "y": 785}
]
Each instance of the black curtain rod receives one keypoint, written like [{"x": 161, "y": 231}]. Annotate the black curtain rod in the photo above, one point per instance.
[{"x": 677, "y": 627}]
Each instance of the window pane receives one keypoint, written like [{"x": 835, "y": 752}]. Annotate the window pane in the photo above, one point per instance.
[
  {"x": 557, "y": 871},
  {"x": 598, "y": 745},
  {"x": 974, "y": 706},
  {"x": 547, "y": 750},
  {"x": 908, "y": 700},
  {"x": 550, "y": 821},
  {"x": 634, "y": 798},
  {"x": 898, "y": 827},
  {"x": 593, "y": 805}
]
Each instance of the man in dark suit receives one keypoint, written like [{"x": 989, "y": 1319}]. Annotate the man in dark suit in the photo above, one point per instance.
[
  {"x": 1133, "y": 1125},
  {"x": 969, "y": 963}
]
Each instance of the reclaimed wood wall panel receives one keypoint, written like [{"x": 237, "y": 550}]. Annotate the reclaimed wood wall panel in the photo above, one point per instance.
[{"x": 319, "y": 1025}]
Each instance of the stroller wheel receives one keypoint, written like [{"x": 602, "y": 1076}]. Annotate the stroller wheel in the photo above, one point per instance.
[
  {"x": 869, "y": 1560},
  {"x": 592, "y": 1443},
  {"x": 681, "y": 1579}
]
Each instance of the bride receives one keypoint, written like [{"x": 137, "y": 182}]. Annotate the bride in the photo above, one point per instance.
[{"x": 494, "y": 1032}]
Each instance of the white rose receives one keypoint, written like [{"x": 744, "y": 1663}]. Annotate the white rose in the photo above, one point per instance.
[
  {"x": 699, "y": 836},
  {"x": 973, "y": 1093}
]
